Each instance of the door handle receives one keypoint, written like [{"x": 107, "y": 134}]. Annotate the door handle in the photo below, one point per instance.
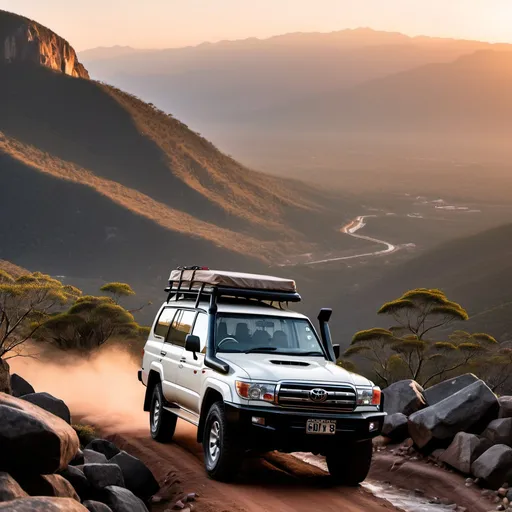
[
  {"x": 183, "y": 360},
  {"x": 162, "y": 353}
]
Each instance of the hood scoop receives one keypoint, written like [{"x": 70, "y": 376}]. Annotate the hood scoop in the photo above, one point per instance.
[{"x": 289, "y": 363}]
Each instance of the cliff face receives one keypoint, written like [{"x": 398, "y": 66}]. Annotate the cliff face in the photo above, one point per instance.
[{"x": 25, "y": 41}]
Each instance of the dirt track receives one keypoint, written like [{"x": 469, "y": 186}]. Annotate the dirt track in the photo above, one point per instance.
[{"x": 274, "y": 483}]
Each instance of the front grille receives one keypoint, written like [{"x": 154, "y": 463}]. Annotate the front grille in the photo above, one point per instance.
[{"x": 338, "y": 397}]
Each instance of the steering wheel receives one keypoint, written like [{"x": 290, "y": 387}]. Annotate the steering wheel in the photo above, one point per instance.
[{"x": 229, "y": 338}]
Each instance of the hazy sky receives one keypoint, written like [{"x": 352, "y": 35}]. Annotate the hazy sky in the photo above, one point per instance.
[{"x": 168, "y": 23}]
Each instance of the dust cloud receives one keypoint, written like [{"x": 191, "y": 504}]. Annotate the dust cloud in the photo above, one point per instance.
[{"x": 102, "y": 390}]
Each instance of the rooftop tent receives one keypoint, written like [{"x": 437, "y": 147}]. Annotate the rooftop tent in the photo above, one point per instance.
[{"x": 233, "y": 280}]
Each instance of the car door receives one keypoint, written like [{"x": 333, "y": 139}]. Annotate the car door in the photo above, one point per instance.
[
  {"x": 190, "y": 375},
  {"x": 175, "y": 348}
]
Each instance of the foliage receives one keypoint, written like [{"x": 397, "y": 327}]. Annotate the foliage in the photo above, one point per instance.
[
  {"x": 85, "y": 433},
  {"x": 407, "y": 349},
  {"x": 118, "y": 290},
  {"x": 26, "y": 302}
]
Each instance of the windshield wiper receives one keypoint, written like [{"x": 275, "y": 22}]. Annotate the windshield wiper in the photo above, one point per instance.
[{"x": 261, "y": 349}]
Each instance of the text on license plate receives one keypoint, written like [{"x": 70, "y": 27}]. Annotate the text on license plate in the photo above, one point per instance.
[{"x": 321, "y": 427}]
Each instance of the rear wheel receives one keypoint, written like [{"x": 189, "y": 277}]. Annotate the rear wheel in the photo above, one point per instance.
[
  {"x": 350, "y": 463},
  {"x": 222, "y": 449},
  {"x": 162, "y": 423}
]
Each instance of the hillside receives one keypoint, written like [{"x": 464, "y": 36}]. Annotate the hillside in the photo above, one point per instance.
[{"x": 226, "y": 82}]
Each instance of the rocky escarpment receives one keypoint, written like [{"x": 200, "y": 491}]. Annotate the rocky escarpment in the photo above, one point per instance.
[{"x": 25, "y": 41}]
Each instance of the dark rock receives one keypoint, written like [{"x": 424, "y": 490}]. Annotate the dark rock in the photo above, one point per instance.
[
  {"x": 96, "y": 506},
  {"x": 78, "y": 459},
  {"x": 103, "y": 446},
  {"x": 467, "y": 410},
  {"x": 122, "y": 500},
  {"x": 33, "y": 440},
  {"x": 51, "y": 404},
  {"x": 10, "y": 489},
  {"x": 48, "y": 485},
  {"x": 505, "y": 406},
  {"x": 464, "y": 450},
  {"x": 78, "y": 480},
  {"x": 42, "y": 505},
  {"x": 92, "y": 457},
  {"x": 20, "y": 386},
  {"x": 499, "y": 431},
  {"x": 404, "y": 396},
  {"x": 137, "y": 476},
  {"x": 494, "y": 466},
  {"x": 509, "y": 495},
  {"x": 395, "y": 427},
  {"x": 5, "y": 377},
  {"x": 447, "y": 388},
  {"x": 104, "y": 475}
]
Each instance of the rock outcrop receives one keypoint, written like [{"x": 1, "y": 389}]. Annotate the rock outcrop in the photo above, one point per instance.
[
  {"x": 24, "y": 41},
  {"x": 447, "y": 388},
  {"x": 405, "y": 397},
  {"x": 464, "y": 450}
]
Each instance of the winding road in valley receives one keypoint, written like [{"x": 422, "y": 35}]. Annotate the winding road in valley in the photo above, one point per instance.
[{"x": 351, "y": 229}]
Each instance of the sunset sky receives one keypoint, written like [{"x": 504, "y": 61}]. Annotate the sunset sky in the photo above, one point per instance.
[{"x": 171, "y": 23}]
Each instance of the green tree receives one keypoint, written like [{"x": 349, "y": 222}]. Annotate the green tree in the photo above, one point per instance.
[
  {"x": 118, "y": 290},
  {"x": 89, "y": 323},
  {"x": 408, "y": 349},
  {"x": 26, "y": 302}
]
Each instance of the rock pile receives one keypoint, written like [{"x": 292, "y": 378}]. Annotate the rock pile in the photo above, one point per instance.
[
  {"x": 43, "y": 468},
  {"x": 459, "y": 423}
]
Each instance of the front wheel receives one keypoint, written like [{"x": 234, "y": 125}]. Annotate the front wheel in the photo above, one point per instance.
[
  {"x": 349, "y": 464},
  {"x": 221, "y": 446},
  {"x": 162, "y": 423}
]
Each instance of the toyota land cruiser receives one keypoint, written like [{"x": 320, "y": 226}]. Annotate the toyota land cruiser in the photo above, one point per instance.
[{"x": 225, "y": 354}]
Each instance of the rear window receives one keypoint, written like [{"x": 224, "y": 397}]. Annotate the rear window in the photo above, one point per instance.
[{"x": 164, "y": 321}]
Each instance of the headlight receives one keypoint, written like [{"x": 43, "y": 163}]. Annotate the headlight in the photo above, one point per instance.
[
  {"x": 368, "y": 396},
  {"x": 256, "y": 391}
]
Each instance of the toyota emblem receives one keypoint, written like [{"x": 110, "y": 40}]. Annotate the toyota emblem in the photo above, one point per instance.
[{"x": 318, "y": 395}]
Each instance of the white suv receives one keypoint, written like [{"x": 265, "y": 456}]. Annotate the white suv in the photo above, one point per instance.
[{"x": 225, "y": 355}]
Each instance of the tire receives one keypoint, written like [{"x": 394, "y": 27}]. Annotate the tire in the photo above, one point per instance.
[
  {"x": 162, "y": 423},
  {"x": 222, "y": 450},
  {"x": 349, "y": 464}
]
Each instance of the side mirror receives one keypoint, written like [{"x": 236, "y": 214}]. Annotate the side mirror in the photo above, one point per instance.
[
  {"x": 336, "y": 349},
  {"x": 193, "y": 344}
]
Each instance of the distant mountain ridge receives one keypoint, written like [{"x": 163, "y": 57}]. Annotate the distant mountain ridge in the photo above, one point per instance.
[{"x": 25, "y": 41}]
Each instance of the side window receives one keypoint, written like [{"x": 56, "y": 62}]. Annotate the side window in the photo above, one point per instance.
[
  {"x": 164, "y": 321},
  {"x": 201, "y": 329},
  {"x": 181, "y": 326}
]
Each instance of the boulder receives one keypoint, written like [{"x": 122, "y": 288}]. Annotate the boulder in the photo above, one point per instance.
[
  {"x": 33, "y": 440},
  {"x": 78, "y": 459},
  {"x": 51, "y": 404},
  {"x": 20, "y": 386},
  {"x": 499, "y": 431},
  {"x": 464, "y": 450},
  {"x": 137, "y": 476},
  {"x": 122, "y": 500},
  {"x": 404, "y": 396},
  {"x": 55, "y": 486},
  {"x": 108, "y": 448},
  {"x": 447, "y": 388},
  {"x": 395, "y": 427},
  {"x": 103, "y": 475},
  {"x": 10, "y": 489},
  {"x": 470, "y": 409},
  {"x": 5, "y": 377},
  {"x": 505, "y": 406},
  {"x": 42, "y": 505},
  {"x": 96, "y": 506},
  {"x": 78, "y": 480},
  {"x": 494, "y": 466},
  {"x": 93, "y": 457}
]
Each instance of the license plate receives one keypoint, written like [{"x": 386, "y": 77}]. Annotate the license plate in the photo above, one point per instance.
[{"x": 326, "y": 427}]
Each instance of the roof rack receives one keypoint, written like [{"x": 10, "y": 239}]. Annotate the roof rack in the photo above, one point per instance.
[{"x": 197, "y": 282}]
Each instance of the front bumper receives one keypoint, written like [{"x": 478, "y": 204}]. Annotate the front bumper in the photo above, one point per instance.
[{"x": 285, "y": 430}]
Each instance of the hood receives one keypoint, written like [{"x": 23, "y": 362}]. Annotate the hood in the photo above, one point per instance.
[{"x": 270, "y": 367}]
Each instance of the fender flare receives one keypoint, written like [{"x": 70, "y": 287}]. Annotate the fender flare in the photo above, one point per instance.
[{"x": 155, "y": 375}]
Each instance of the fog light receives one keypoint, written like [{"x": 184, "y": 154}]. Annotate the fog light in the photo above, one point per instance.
[
  {"x": 373, "y": 426},
  {"x": 258, "y": 421}
]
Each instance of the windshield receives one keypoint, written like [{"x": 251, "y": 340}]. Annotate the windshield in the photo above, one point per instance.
[{"x": 266, "y": 334}]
